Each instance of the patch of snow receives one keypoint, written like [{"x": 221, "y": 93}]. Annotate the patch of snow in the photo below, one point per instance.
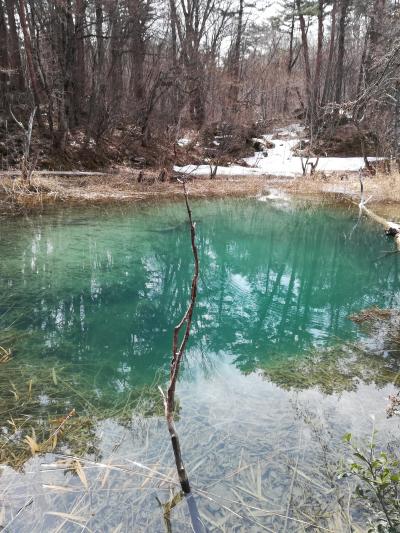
[
  {"x": 293, "y": 131},
  {"x": 268, "y": 137},
  {"x": 204, "y": 170},
  {"x": 273, "y": 166},
  {"x": 262, "y": 140},
  {"x": 183, "y": 142},
  {"x": 280, "y": 160}
]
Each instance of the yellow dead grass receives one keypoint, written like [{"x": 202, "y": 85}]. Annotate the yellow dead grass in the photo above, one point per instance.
[
  {"x": 382, "y": 188},
  {"x": 118, "y": 188},
  {"x": 124, "y": 188}
]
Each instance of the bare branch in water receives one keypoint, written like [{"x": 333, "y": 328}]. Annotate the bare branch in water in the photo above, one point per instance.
[{"x": 178, "y": 349}]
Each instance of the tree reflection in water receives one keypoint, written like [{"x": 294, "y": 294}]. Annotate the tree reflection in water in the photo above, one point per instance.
[{"x": 276, "y": 282}]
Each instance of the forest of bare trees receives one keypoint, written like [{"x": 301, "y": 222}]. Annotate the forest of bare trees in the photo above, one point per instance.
[{"x": 148, "y": 68}]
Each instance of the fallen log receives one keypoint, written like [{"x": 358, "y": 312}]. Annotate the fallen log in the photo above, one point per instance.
[{"x": 391, "y": 228}]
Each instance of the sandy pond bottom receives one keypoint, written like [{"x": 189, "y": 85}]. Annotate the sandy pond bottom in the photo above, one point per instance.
[{"x": 274, "y": 376}]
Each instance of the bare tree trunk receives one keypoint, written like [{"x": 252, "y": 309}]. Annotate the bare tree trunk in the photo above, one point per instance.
[
  {"x": 29, "y": 59},
  {"x": 96, "y": 104},
  {"x": 115, "y": 74},
  {"x": 306, "y": 57},
  {"x": 138, "y": 56},
  {"x": 27, "y": 166},
  {"x": 79, "y": 72},
  {"x": 397, "y": 126},
  {"x": 341, "y": 50},
  {"x": 289, "y": 63},
  {"x": 374, "y": 35},
  {"x": 328, "y": 77},
  {"x": 174, "y": 43},
  {"x": 177, "y": 103},
  {"x": 14, "y": 51},
  {"x": 66, "y": 55},
  {"x": 361, "y": 73},
  {"x": 4, "y": 64},
  {"x": 195, "y": 74},
  {"x": 235, "y": 61},
  {"x": 99, "y": 33},
  {"x": 318, "y": 61}
]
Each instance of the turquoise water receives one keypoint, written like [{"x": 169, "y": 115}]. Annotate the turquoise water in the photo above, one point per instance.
[
  {"x": 107, "y": 288},
  {"x": 101, "y": 290}
]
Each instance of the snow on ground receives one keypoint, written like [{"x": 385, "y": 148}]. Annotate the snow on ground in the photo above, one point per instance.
[
  {"x": 280, "y": 160},
  {"x": 204, "y": 170},
  {"x": 183, "y": 142}
]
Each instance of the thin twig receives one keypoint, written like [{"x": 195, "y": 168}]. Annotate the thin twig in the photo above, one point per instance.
[{"x": 27, "y": 504}]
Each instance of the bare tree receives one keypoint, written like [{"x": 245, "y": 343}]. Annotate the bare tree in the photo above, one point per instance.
[
  {"x": 27, "y": 166},
  {"x": 396, "y": 137},
  {"x": 306, "y": 53},
  {"x": 329, "y": 66},
  {"x": 4, "y": 63},
  {"x": 344, "y": 4},
  {"x": 29, "y": 58},
  {"x": 14, "y": 48},
  {"x": 235, "y": 59}
]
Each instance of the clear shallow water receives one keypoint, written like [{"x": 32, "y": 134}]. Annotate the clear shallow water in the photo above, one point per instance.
[{"x": 101, "y": 291}]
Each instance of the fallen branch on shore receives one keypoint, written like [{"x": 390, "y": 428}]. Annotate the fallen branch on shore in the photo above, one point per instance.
[{"x": 391, "y": 228}]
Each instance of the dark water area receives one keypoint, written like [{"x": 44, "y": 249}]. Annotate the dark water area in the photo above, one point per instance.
[{"x": 270, "y": 374}]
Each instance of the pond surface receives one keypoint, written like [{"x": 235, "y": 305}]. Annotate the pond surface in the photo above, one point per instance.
[{"x": 273, "y": 376}]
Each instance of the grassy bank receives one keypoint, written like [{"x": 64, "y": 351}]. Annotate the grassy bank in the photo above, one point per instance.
[
  {"x": 383, "y": 188},
  {"x": 15, "y": 197},
  {"x": 53, "y": 190}
]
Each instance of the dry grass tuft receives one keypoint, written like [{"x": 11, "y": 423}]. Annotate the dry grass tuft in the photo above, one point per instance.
[
  {"x": 383, "y": 188},
  {"x": 5, "y": 355},
  {"x": 371, "y": 314}
]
